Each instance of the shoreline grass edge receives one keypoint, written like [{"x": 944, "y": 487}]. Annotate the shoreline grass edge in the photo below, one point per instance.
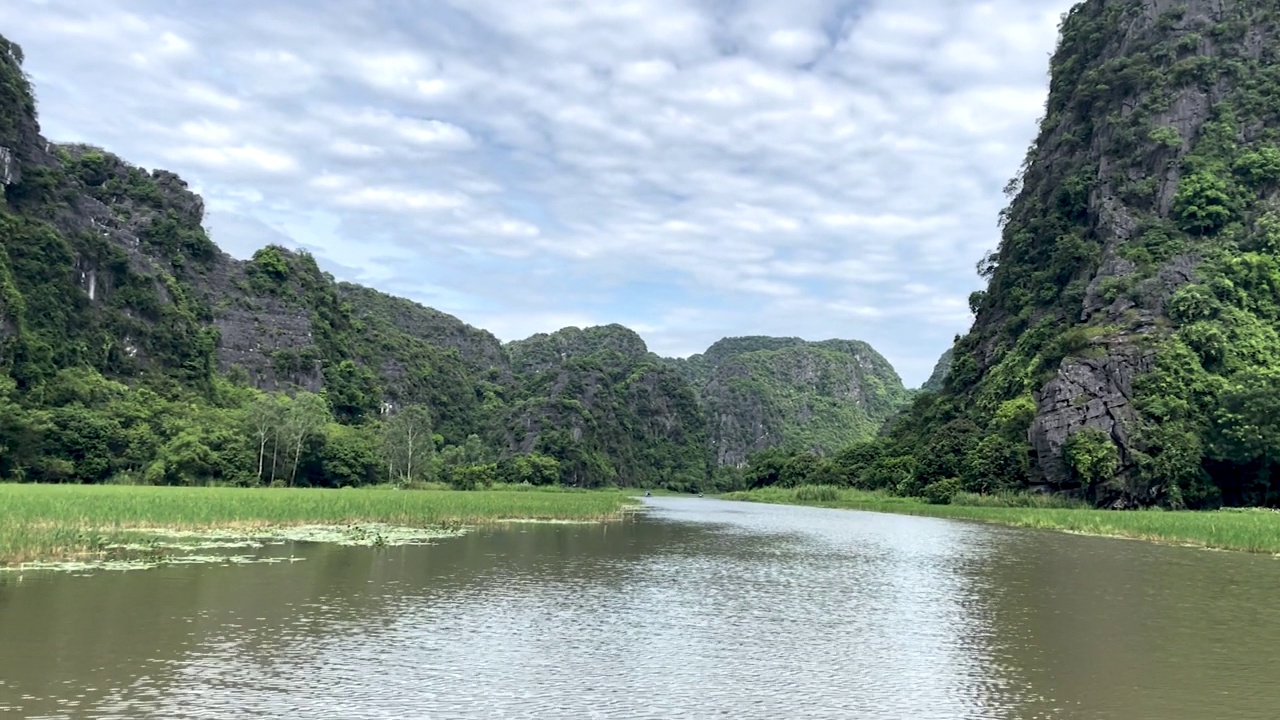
[
  {"x": 47, "y": 523},
  {"x": 1252, "y": 530}
]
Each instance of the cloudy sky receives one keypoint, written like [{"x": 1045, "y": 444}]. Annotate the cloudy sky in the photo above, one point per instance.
[{"x": 690, "y": 168}]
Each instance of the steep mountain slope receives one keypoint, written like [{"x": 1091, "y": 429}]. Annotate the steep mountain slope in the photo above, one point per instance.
[
  {"x": 607, "y": 409},
  {"x": 763, "y": 392},
  {"x": 699, "y": 368},
  {"x": 939, "y": 374},
  {"x": 114, "y": 302},
  {"x": 478, "y": 348},
  {"x": 1127, "y": 343},
  {"x": 107, "y": 266}
]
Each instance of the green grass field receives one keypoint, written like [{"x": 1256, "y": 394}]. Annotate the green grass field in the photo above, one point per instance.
[
  {"x": 1253, "y": 530},
  {"x": 51, "y": 522}
]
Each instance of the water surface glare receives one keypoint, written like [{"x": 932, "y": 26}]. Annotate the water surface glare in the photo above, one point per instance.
[{"x": 696, "y": 609}]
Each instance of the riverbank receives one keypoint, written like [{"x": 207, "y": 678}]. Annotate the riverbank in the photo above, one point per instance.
[
  {"x": 62, "y": 522},
  {"x": 1253, "y": 530}
]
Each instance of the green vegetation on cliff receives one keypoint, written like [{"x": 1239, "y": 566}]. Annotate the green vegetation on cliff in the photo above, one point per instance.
[
  {"x": 939, "y": 374},
  {"x": 1125, "y": 349},
  {"x": 764, "y": 392},
  {"x": 607, "y": 410},
  {"x": 132, "y": 350}
]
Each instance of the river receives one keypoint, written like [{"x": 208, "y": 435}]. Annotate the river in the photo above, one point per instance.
[{"x": 697, "y": 608}]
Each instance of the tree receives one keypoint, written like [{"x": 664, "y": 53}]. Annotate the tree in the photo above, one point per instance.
[
  {"x": 766, "y": 467},
  {"x": 801, "y": 469},
  {"x": 944, "y": 456},
  {"x": 306, "y": 417},
  {"x": 18, "y": 432},
  {"x": 184, "y": 460},
  {"x": 352, "y": 454},
  {"x": 996, "y": 463},
  {"x": 408, "y": 443},
  {"x": 1092, "y": 458},
  {"x": 265, "y": 416},
  {"x": 1247, "y": 431},
  {"x": 352, "y": 390},
  {"x": 851, "y": 462},
  {"x": 533, "y": 469},
  {"x": 537, "y": 469},
  {"x": 1203, "y": 203},
  {"x": 470, "y": 477}
]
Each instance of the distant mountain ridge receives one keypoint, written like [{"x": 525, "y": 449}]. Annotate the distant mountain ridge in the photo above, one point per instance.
[{"x": 761, "y": 392}]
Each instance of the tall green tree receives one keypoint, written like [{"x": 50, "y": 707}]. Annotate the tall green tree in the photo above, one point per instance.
[
  {"x": 266, "y": 417},
  {"x": 305, "y": 417},
  {"x": 408, "y": 444}
]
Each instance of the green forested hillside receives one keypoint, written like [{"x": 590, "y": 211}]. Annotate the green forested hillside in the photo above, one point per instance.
[
  {"x": 939, "y": 374},
  {"x": 764, "y": 392},
  {"x": 1126, "y": 348},
  {"x": 598, "y": 400},
  {"x": 134, "y": 350}
]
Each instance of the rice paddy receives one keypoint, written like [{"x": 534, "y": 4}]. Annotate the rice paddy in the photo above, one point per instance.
[
  {"x": 48, "y": 523},
  {"x": 1255, "y": 530}
]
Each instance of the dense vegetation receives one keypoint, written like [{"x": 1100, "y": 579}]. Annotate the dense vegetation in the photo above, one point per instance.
[
  {"x": 610, "y": 409},
  {"x": 939, "y": 374},
  {"x": 132, "y": 350},
  {"x": 1126, "y": 348},
  {"x": 767, "y": 392}
]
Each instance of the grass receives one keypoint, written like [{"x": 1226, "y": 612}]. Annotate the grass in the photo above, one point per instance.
[
  {"x": 53, "y": 522},
  {"x": 1254, "y": 530}
]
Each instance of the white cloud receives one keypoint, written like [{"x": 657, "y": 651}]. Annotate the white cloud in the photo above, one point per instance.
[
  {"x": 209, "y": 96},
  {"x": 645, "y": 72},
  {"x": 391, "y": 199},
  {"x": 355, "y": 150},
  {"x": 206, "y": 132},
  {"x": 172, "y": 45},
  {"x": 242, "y": 157},
  {"x": 798, "y": 46},
  {"x": 421, "y": 132},
  {"x": 821, "y": 168}
]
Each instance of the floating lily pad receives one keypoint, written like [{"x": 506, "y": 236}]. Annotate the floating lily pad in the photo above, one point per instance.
[{"x": 163, "y": 546}]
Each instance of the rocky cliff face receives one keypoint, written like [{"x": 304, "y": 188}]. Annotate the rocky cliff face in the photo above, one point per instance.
[
  {"x": 1153, "y": 178},
  {"x": 128, "y": 283},
  {"x": 20, "y": 140},
  {"x": 601, "y": 403},
  {"x": 762, "y": 392},
  {"x": 479, "y": 348},
  {"x": 546, "y": 351},
  {"x": 939, "y": 374},
  {"x": 107, "y": 266}
]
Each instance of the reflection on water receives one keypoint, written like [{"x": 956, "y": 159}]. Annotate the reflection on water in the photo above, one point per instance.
[{"x": 700, "y": 609}]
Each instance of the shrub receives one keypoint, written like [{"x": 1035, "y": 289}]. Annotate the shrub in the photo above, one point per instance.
[
  {"x": 270, "y": 262},
  {"x": 473, "y": 477},
  {"x": 1259, "y": 167},
  {"x": 1166, "y": 136},
  {"x": 1092, "y": 456},
  {"x": 1203, "y": 203},
  {"x": 1193, "y": 302},
  {"x": 941, "y": 492}
]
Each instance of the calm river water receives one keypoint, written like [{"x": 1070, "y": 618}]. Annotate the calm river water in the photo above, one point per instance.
[{"x": 697, "y": 609}]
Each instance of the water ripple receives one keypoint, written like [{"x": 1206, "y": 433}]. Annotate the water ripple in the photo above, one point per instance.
[
  {"x": 762, "y": 617},
  {"x": 702, "y": 609}
]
